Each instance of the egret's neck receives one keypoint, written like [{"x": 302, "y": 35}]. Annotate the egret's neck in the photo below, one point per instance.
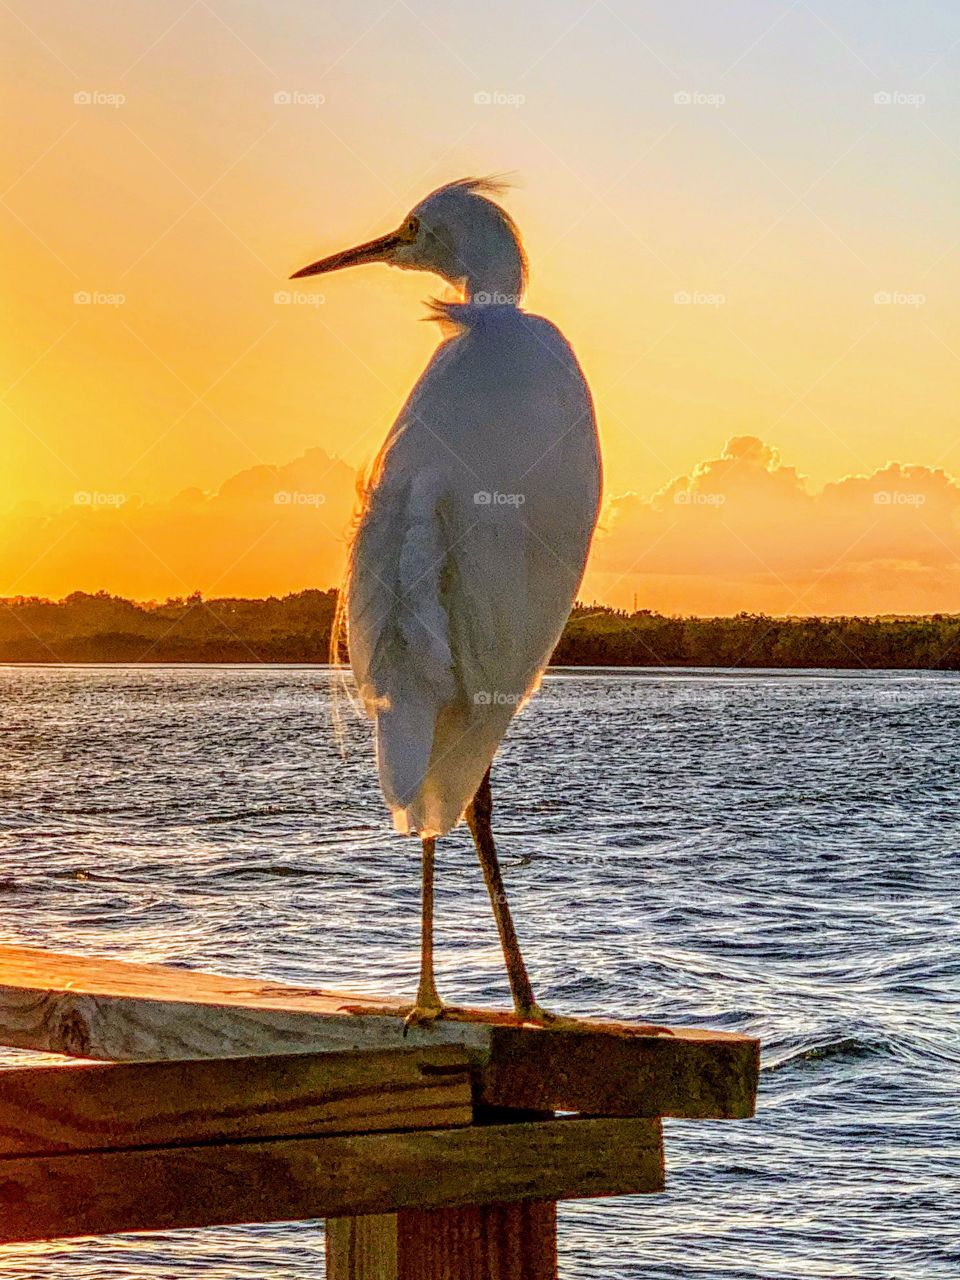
[{"x": 494, "y": 270}]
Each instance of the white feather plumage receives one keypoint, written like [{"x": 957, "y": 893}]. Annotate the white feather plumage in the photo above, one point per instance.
[{"x": 454, "y": 603}]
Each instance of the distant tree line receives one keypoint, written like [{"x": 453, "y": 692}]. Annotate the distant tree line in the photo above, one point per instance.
[
  {"x": 296, "y": 628},
  {"x": 105, "y": 628},
  {"x": 605, "y": 637}
]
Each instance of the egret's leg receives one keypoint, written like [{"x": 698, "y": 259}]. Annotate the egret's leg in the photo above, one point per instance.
[
  {"x": 479, "y": 815},
  {"x": 429, "y": 1006},
  {"x": 479, "y": 819}
]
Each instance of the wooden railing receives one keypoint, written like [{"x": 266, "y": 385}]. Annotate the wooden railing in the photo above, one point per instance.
[{"x": 432, "y": 1156}]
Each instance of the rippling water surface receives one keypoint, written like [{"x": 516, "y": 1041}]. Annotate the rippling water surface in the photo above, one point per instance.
[{"x": 775, "y": 853}]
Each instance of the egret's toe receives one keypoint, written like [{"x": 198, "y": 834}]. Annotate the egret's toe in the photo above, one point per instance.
[
  {"x": 536, "y": 1015},
  {"x": 422, "y": 1015}
]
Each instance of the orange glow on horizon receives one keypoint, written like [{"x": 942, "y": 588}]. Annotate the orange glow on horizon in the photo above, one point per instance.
[{"x": 770, "y": 259}]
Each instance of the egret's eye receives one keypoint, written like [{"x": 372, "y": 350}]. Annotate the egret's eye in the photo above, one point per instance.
[{"x": 410, "y": 229}]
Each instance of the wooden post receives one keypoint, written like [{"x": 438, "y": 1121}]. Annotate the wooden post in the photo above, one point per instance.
[
  {"x": 509, "y": 1241},
  {"x": 506, "y": 1241},
  {"x": 362, "y": 1248}
]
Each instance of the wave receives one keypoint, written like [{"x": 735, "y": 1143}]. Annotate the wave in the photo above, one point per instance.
[
  {"x": 280, "y": 869},
  {"x": 268, "y": 811},
  {"x": 847, "y": 1048}
]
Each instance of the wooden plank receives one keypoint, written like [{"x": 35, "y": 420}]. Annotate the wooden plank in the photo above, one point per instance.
[
  {"x": 162, "y": 1188},
  {"x": 94, "y": 1107},
  {"x": 112, "y": 1010},
  {"x": 119, "y": 1011},
  {"x": 364, "y": 1248},
  {"x": 506, "y": 1241}
]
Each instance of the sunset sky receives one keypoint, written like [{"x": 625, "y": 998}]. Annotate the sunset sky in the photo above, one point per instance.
[{"x": 743, "y": 214}]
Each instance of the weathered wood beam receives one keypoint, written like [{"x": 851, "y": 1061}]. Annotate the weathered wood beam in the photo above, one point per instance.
[
  {"x": 117, "y": 1011},
  {"x": 162, "y": 1188},
  {"x": 91, "y": 1107},
  {"x": 693, "y": 1074}
]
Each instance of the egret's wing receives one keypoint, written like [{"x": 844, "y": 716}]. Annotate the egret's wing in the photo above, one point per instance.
[
  {"x": 398, "y": 626},
  {"x": 396, "y": 523}
]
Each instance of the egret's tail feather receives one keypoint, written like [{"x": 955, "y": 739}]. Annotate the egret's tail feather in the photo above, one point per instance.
[{"x": 405, "y": 730}]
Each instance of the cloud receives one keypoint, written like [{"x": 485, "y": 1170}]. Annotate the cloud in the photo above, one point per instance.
[
  {"x": 266, "y": 531},
  {"x": 743, "y": 531}
]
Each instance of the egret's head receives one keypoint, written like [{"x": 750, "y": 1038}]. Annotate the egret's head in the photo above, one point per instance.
[{"x": 457, "y": 232}]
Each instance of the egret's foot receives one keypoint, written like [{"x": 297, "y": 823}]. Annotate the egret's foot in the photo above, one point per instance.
[
  {"x": 423, "y": 1014},
  {"x": 536, "y": 1015}
]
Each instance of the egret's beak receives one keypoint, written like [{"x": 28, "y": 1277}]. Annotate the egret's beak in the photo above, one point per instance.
[{"x": 373, "y": 251}]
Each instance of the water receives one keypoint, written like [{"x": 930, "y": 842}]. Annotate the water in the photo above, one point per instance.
[{"x": 775, "y": 853}]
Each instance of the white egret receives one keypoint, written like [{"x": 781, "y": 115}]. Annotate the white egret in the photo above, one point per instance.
[{"x": 471, "y": 543}]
